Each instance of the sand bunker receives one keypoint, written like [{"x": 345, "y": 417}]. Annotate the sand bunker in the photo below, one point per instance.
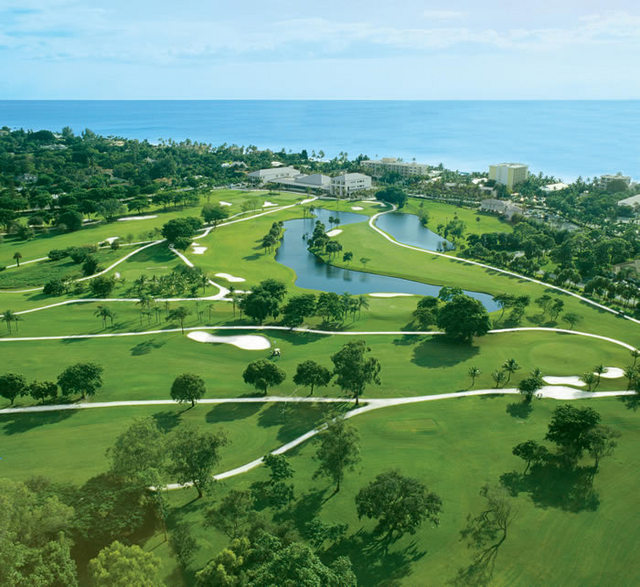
[
  {"x": 225, "y": 203},
  {"x": 268, "y": 204},
  {"x": 389, "y": 295},
  {"x": 111, "y": 239},
  {"x": 357, "y": 208},
  {"x": 572, "y": 380},
  {"x": 612, "y": 373},
  {"x": 231, "y": 278},
  {"x": 247, "y": 342},
  {"x": 126, "y": 218},
  {"x": 334, "y": 232},
  {"x": 198, "y": 250}
]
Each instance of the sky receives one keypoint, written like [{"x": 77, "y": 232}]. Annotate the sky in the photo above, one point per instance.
[{"x": 333, "y": 49}]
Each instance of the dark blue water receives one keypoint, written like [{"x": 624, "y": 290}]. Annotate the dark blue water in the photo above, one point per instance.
[
  {"x": 314, "y": 274},
  {"x": 407, "y": 229},
  {"x": 563, "y": 138}
]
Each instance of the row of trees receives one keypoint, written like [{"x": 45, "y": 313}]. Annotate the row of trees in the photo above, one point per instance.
[{"x": 83, "y": 379}]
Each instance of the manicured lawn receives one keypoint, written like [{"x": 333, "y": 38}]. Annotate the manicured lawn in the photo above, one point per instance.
[
  {"x": 131, "y": 230},
  {"x": 70, "y": 445},
  {"x": 456, "y": 447},
  {"x": 441, "y": 213},
  {"x": 37, "y": 274},
  {"x": 143, "y": 367}
]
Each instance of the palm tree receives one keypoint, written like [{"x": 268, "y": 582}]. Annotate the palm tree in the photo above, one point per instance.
[
  {"x": 510, "y": 366},
  {"x": 589, "y": 379},
  {"x": 630, "y": 374},
  {"x": 210, "y": 309},
  {"x": 599, "y": 370},
  {"x": 363, "y": 302},
  {"x": 635, "y": 353},
  {"x": 179, "y": 314},
  {"x": 104, "y": 313},
  {"x": 10, "y": 317},
  {"x": 17, "y": 256},
  {"x": 473, "y": 373},
  {"x": 499, "y": 377}
]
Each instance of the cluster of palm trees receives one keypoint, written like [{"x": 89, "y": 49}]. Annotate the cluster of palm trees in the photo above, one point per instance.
[
  {"x": 9, "y": 318},
  {"x": 632, "y": 372},
  {"x": 502, "y": 375}
]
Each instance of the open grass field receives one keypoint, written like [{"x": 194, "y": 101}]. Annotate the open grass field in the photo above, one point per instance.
[
  {"x": 441, "y": 213},
  {"x": 71, "y": 445},
  {"x": 143, "y": 367},
  {"x": 455, "y": 447}
]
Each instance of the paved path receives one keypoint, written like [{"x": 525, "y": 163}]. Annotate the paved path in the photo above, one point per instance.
[
  {"x": 151, "y": 244},
  {"x": 550, "y": 392},
  {"x": 491, "y": 268}
]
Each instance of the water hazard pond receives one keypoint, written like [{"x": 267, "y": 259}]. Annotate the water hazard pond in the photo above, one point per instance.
[{"x": 314, "y": 274}]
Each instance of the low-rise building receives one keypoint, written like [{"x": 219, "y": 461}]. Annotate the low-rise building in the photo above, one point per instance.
[
  {"x": 631, "y": 201},
  {"x": 501, "y": 207},
  {"x": 554, "y": 187},
  {"x": 606, "y": 179},
  {"x": 316, "y": 181},
  {"x": 348, "y": 183},
  {"x": 509, "y": 174},
  {"x": 274, "y": 173},
  {"x": 393, "y": 165}
]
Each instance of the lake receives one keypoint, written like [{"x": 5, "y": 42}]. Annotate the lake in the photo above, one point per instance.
[{"x": 312, "y": 273}]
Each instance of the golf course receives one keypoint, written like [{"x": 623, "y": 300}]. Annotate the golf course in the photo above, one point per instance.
[{"x": 442, "y": 410}]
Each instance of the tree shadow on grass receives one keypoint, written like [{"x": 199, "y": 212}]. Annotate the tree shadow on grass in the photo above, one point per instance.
[
  {"x": 373, "y": 563},
  {"x": 229, "y": 412},
  {"x": 145, "y": 347},
  {"x": 439, "y": 352},
  {"x": 292, "y": 420},
  {"x": 19, "y": 423},
  {"x": 552, "y": 485},
  {"x": 521, "y": 410},
  {"x": 167, "y": 420},
  {"x": 303, "y": 510},
  {"x": 632, "y": 402}
]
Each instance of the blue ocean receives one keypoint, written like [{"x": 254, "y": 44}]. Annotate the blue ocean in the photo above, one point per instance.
[{"x": 566, "y": 139}]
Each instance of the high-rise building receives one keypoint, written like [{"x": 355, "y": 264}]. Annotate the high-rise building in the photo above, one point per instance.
[{"x": 508, "y": 174}]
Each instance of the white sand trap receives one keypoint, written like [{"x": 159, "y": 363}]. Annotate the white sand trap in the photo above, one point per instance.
[
  {"x": 357, "y": 208},
  {"x": 612, "y": 373},
  {"x": 116, "y": 275},
  {"x": 390, "y": 295},
  {"x": 225, "y": 203},
  {"x": 334, "y": 232},
  {"x": 561, "y": 392},
  {"x": 198, "y": 250},
  {"x": 247, "y": 342},
  {"x": 111, "y": 239},
  {"x": 571, "y": 380},
  {"x": 231, "y": 278},
  {"x": 268, "y": 204},
  {"x": 126, "y": 218}
]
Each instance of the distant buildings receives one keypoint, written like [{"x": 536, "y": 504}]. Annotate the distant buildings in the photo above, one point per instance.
[
  {"x": 606, "y": 179},
  {"x": 393, "y": 165},
  {"x": 554, "y": 187},
  {"x": 631, "y": 201},
  {"x": 500, "y": 207},
  {"x": 348, "y": 183},
  {"x": 291, "y": 178},
  {"x": 509, "y": 174},
  {"x": 274, "y": 173}
]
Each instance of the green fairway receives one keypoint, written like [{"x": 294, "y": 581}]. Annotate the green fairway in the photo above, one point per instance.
[
  {"x": 455, "y": 447},
  {"x": 143, "y": 367},
  {"x": 441, "y": 213},
  {"x": 70, "y": 445}
]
